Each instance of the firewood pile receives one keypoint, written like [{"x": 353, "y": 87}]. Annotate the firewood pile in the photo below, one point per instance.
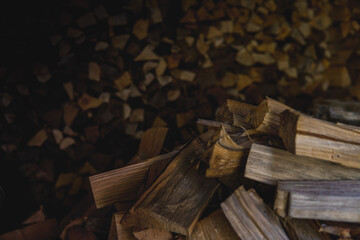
[
  {"x": 302, "y": 176},
  {"x": 129, "y": 85}
]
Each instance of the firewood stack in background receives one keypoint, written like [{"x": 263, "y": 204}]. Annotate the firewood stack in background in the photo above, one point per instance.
[{"x": 90, "y": 87}]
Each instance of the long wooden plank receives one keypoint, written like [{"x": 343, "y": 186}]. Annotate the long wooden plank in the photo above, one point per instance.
[{"x": 270, "y": 165}]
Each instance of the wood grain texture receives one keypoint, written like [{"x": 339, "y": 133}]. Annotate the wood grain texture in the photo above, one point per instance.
[
  {"x": 118, "y": 231},
  {"x": 306, "y": 136},
  {"x": 250, "y": 217},
  {"x": 303, "y": 229},
  {"x": 270, "y": 165},
  {"x": 324, "y": 200},
  {"x": 175, "y": 201},
  {"x": 214, "y": 227},
  {"x": 266, "y": 116},
  {"x": 123, "y": 183}
]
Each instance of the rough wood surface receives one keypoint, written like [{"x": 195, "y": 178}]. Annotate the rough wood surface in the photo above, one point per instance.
[
  {"x": 306, "y": 136},
  {"x": 303, "y": 229},
  {"x": 214, "y": 227},
  {"x": 325, "y": 200},
  {"x": 250, "y": 217},
  {"x": 269, "y": 165},
  {"x": 118, "y": 231},
  {"x": 123, "y": 183},
  {"x": 266, "y": 116},
  {"x": 175, "y": 201}
]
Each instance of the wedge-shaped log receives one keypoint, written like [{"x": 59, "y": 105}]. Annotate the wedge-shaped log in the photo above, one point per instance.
[
  {"x": 325, "y": 200},
  {"x": 270, "y": 165},
  {"x": 307, "y": 136},
  {"x": 175, "y": 201},
  {"x": 250, "y": 217},
  {"x": 266, "y": 116},
  {"x": 214, "y": 227}
]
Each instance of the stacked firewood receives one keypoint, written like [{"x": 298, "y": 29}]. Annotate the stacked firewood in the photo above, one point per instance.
[
  {"x": 119, "y": 69},
  {"x": 309, "y": 168}
]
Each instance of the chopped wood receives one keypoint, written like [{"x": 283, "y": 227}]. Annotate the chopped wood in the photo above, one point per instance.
[
  {"x": 307, "y": 136},
  {"x": 100, "y": 12},
  {"x": 118, "y": 231},
  {"x": 42, "y": 73},
  {"x": 123, "y": 81},
  {"x": 245, "y": 58},
  {"x": 266, "y": 116},
  {"x": 137, "y": 115},
  {"x": 69, "y": 89},
  {"x": 156, "y": 16},
  {"x": 66, "y": 142},
  {"x": 147, "y": 54},
  {"x": 175, "y": 201},
  {"x": 338, "y": 76},
  {"x": 94, "y": 71},
  {"x": 87, "y": 102},
  {"x": 214, "y": 227},
  {"x": 325, "y": 200},
  {"x": 140, "y": 29},
  {"x": 270, "y": 165},
  {"x": 250, "y": 217},
  {"x": 150, "y": 234},
  {"x": 226, "y": 156},
  {"x": 38, "y": 216},
  {"x": 183, "y": 75},
  {"x": 243, "y": 81},
  {"x": 38, "y": 139},
  {"x": 123, "y": 183},
  {"x": 71, "y": 110},
  {"x": 304, "y": 229},
  {"x": 120, "y": 41},
  {"x": 173, "y": 95},
  {"x": 183, "y": 118},
  {"x": 57, "y": 135}
]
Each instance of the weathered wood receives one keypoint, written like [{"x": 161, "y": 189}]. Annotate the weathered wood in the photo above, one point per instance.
[
  {"x": 326, "y": 200},
  {"x": 240, "y": 111},
  {"x": 123, "y": 183},
  {"x": 270, "y": 165},
  {"x": 175, "y": 201},
  {"x": 118, "y": 231},
  {"x": 214, "y": 227},
  {"x": 266, "y": 116},
  {"x": 250, "y": 217},
  {"x": 306, "y": 136},
  {"x": 226, "y": 156},
  {"x": 303, "y": 229}
]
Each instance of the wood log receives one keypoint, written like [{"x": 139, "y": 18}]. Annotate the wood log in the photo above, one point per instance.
[
  {"x": 175, "y": 201},
  {"x": 270, "y": 165},
  {"x": 304, "y": 229},
  {"x": 118, "y": 231},
  {"x": 214, "y": 227},
  {"x": 250, "y": 217},
  {"x": 226, "y": 156},
  {"x": 240, "y": 111},
  {"x": 326, "y": 200},
  {"x": 306, "y": 136},
  {"x": 123, "y": 183}
]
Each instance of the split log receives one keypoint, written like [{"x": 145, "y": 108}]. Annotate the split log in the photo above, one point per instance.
[
  {"x": 304, "y": 229},
  {"x": 250, "y": 217},
  {"x": 266, "y": 116},
  {"x": 175, "y": 201},
  {"x": 123, "y": 183},
  {"x": 214, "y": 227},
  {"x": 306, "y": 136},
  {"x": 324, "y": 200},
  {"x": 118, "y": 231},
  {"x": 270, "y": 165}
]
